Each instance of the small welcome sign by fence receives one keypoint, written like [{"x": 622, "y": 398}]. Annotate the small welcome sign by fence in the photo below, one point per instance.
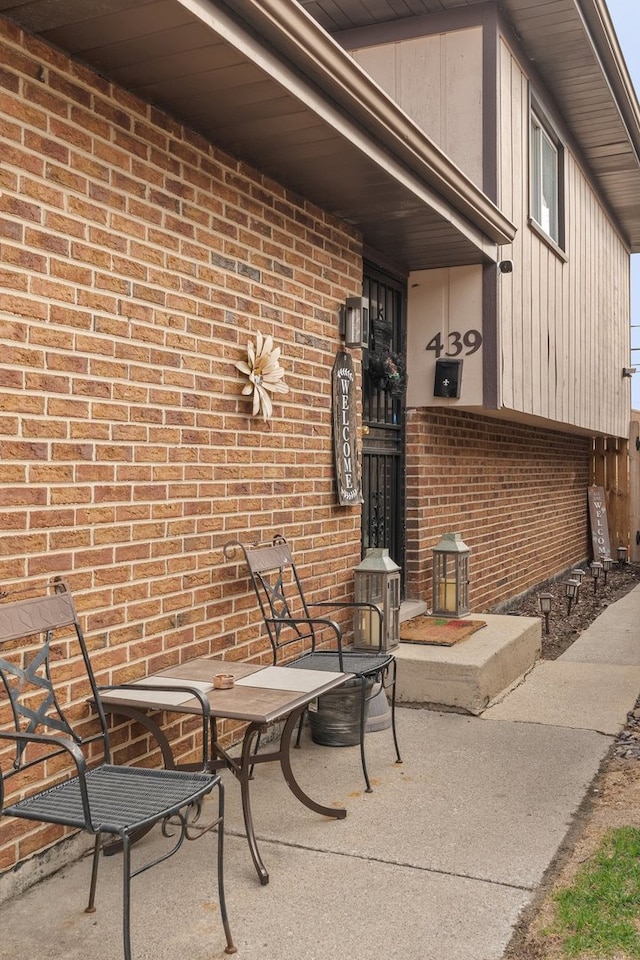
[
  {"x": 345, "y": 449},
  {"x": 599, "y": 524}
]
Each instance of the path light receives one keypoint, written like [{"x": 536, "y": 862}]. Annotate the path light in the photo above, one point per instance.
[
  {"x": 622, "y": 554},
  {"x": 545, "y": 600},
  {"x": 571, "y": 587},
  {"x": 596, "y": 570},
  {"x": 607, "y": 563},
  {"x": 577, "y": 574}
]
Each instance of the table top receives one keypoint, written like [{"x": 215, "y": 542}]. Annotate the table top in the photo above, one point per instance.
[{"x": 260, "y": 694}]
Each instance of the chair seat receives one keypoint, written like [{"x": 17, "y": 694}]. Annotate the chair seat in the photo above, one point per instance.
[
  {"x": 120, "y": 798},
  {"x": 360, "y": 664}
]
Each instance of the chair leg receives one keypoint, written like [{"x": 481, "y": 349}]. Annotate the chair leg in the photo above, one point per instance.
[
  {"x": 91, "y": 906},
  {"x": 126, "y": 895},
  {"x": 230, "y": 947},
  {"x": 363, "y": 725},
  {"x": 393, "y": 714}
]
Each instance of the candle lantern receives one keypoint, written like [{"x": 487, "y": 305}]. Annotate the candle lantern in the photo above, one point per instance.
[
  {"x": 451, "y": 576},
  {"x": 377, "y": 581}
]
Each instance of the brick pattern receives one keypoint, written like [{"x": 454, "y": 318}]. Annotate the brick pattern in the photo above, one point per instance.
[
  {"x": 517, "y": 494},
  {"x": 135, "y": 261}
]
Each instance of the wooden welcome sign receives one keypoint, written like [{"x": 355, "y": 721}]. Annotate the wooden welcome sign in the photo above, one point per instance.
[
  {"x": 345, "y": 451},
  {"x": 599, "y": 523}
]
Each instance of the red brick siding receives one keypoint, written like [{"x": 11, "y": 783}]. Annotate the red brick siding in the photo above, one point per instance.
[
  {"x": 135, "y": 261},
  {"x": 517, "y": 494}
]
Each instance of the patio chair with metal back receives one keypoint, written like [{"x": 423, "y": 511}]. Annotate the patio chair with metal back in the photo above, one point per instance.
[
  {"x": 291, "y": 622},
  {"x": 39, "y": 638}
]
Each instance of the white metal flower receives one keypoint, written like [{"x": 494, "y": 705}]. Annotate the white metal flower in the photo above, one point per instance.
[{"x": 265, "y": 374}]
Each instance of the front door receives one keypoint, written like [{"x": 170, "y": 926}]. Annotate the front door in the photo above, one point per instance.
[{"x": 384, "y": 383}]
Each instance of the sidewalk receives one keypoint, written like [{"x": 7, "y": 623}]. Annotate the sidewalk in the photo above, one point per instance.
[{"x": 436, "y": 864}]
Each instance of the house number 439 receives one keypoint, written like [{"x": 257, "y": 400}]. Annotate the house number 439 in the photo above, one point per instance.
[{"x": 457, "y": 343}]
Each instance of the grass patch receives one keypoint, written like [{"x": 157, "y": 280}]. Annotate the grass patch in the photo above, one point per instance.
[{"x": 599, "y": 914}]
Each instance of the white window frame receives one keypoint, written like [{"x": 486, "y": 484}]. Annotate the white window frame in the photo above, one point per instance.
[{"x": 546, "y": 180}]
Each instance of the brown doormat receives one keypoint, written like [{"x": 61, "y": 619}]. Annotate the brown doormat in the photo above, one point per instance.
[{"x": 438, "y": 630}]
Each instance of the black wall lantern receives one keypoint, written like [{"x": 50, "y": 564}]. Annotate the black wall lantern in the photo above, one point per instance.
[{"x": 354, "y": 322}]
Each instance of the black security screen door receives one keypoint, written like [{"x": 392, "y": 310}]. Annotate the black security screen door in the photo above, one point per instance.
[{"x": 384, "y": 382}]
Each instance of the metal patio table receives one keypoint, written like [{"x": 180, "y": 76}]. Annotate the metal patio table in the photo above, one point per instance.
[{"x": 260, "y": 696}]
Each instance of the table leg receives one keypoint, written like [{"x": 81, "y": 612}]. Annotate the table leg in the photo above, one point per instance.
[
  {"x": 243, "y": 773},
  {"x": 284, "y": 754}
]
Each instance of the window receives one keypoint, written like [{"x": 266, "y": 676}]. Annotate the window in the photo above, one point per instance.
[{"x": 546, "y": 179}]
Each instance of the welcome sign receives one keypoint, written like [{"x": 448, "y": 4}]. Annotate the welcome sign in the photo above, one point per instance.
[
  {"x": 599, "y": 523},
  {"x": 347, "y": 464}
]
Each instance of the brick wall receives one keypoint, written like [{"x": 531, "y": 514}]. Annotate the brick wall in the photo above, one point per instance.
[
  {"x": 135, "y": 261},
  {"x": 517, "y": 494}
]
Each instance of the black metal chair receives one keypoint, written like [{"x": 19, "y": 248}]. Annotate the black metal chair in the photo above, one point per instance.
[
  {"x": 289, "y": 622},
  {"x": 39, "y": 637}
]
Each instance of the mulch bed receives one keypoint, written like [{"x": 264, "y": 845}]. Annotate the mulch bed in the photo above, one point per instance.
[{"x": 565, "y": 628}]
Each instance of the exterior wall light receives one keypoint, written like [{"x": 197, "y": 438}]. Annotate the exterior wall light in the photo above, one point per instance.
[{"x": 354, "y": 322}]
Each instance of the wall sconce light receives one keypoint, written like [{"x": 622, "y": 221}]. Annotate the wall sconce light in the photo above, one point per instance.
[
  {"x": 545, "y": 600},
  {"x": 622, "y": 554},
  {"x": 596, "y": 570},
  {"x": 607, "y": 563},
  {"x": 572, "y": 588},
  {"x": 354, "y": 322},
  {"x": 628, "y": 371}
]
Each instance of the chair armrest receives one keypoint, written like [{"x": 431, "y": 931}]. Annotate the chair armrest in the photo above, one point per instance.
[
  {"x": 64, "y": 745},
  {"x": 355, "y": 605},
  {"x": 312, "y": 621},
  {"x": 205, "y": 708}
]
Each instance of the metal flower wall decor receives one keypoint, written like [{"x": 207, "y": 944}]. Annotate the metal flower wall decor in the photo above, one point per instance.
[{"x": 265, "y": 374}]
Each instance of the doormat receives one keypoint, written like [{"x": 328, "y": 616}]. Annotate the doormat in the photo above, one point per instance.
[{"x": 438, "y": 630}]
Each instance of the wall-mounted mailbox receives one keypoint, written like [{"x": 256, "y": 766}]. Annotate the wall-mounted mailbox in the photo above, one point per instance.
[{"x": 448, "y": 379}]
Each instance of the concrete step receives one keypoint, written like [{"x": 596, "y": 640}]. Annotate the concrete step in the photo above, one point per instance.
[{"x": 469, "y": 675}]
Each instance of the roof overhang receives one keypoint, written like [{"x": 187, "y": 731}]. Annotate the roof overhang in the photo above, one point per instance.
[
  {"x": 573, "y": 49},
  {"x": 262, "y": 80}
]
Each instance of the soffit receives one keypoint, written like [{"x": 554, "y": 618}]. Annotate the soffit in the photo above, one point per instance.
[
  {"x": 573, "y": 48},
  {"x": 283, "y": 96}
]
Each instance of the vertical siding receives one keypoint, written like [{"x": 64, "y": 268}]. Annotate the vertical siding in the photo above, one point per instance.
[
  {"x": 437, "y": 81},
  {"x": 563, "y": 322}
]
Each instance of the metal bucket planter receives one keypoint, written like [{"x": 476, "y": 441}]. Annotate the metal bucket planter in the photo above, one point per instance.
[{"x": 336, "y": 722}]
